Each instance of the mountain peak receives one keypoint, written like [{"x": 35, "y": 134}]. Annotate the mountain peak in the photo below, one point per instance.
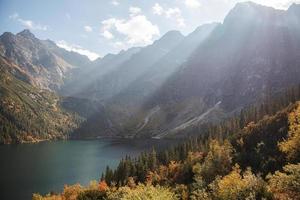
[
  {"x": 169, "y": 37},
  {"x": 251, "y": 5},
  {"x": 294, "y": 8},
  {"x": 249, "y": 11},
  {"x": 27, "y": 34},
  {"x": 172, "y": 34},
  {"x": 7, "y": 35},
  {"x": 294, "y": 5}
]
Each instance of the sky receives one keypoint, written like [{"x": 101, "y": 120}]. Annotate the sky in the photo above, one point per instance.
[{"x": 97, "y": 27}]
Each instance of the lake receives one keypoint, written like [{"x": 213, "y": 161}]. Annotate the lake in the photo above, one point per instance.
[{"x": 48, "y": 166}]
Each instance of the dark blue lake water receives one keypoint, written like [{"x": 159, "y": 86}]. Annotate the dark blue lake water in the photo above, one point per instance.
[{"x": 48, "y": 166}]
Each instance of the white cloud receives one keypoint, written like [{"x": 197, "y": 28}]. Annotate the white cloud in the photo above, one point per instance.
[
  {"x": 108, "y": 35},
  {"x": 157, "y": 9},
  {"x": 134, "y": 10},
  {"x": 192, "y": 3},
  {"x": 78, "y": 49},
  {"x": 109, "y": 23},
  {"x": 175, "y": 13},
  {"x": 28, "y": 23},
  {"x": 115, "y": 3},
  {"x": 88, "y": 28},
  {"x": 137, "y": 30},
  {"x": 180, "y": 22},
  {"x": 170, "y": 13}
]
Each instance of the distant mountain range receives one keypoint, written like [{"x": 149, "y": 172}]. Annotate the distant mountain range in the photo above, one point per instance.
[{"x": 172, "y": 85}]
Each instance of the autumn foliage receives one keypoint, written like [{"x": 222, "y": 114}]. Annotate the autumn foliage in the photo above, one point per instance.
[
  {"x": 103, "y": 186},
  {"x": 259, "y": 161}
]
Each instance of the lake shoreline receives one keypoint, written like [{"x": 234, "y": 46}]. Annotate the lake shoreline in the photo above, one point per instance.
[
  {"x": 23, "y": 166},
  {"x": 34, "y": 140}
]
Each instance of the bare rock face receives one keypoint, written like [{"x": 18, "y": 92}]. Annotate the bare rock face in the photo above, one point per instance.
[{"x": 46, "y": 66}]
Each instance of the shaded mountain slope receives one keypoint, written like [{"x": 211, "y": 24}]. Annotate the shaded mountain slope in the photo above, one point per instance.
[
  {"x": 82, "y": 78},
  {"x": 27, "y": 113},
  {"x": 128, "y": 71},
  {"x": 253, "y": 53},
  {"x": 123, "y": 108}
]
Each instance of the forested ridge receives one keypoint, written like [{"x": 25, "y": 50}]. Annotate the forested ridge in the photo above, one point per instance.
[
  {"x": 254, "y": 155},
  {"x": 28, "y": 113}
]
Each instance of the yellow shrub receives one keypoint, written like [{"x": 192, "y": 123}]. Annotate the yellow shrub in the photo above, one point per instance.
[{"x": 236, "y": 186}]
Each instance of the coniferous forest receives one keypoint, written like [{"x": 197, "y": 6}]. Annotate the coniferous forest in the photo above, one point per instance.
[
  {"x": 253, "y": 155},
  {"x": 150, "y": 100}
]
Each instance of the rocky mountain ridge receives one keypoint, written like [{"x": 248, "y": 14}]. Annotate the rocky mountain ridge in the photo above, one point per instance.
[
  {"x": 46, "y": 63},
  {"x": 172, "y": 85},
  {"x": 253, "y": 53}
]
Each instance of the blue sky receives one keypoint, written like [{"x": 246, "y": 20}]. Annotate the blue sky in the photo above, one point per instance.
[{"x": 97, "y": 27}]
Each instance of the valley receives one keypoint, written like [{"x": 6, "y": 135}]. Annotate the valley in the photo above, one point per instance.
[
  {"x": 160, "y": 90},
  {"x": 210, "y": 114}
]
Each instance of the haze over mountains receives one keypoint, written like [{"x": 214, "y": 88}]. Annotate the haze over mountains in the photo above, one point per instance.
[{"x": 163, "y": 89}]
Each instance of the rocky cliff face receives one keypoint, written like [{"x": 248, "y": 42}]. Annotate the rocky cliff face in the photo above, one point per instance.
[{"x": 43, "y": 61}]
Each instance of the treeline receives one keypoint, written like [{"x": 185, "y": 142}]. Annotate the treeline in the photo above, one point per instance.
[
  {"x": 254, "y": 155},
  {"x": 231, "y": 129}
]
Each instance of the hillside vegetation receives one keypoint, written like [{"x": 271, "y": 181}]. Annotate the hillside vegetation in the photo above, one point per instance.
[
  {"x": 251, "y": 156},
  {"x": 29, "y": 114}
]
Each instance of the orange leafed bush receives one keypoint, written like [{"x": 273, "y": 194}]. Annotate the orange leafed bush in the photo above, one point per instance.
[{"x": 103, "y": 186}]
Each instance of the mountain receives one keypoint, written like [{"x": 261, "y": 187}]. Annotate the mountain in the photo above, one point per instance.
[
  {"x": 254, "y": 53},
  {"x": 82, "y": 78},
  {"x": 75, "y": 59},
  {"x": 28, "y": 113},
  {"x": 171, "y": 86},
  {"x": 43, "y": 61},
  {"x": 124, "y": 73},
  {"x": 250, "y": 160},
  {"x": 123, "y": 108},
  {"x": 155, "y": 76}
]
